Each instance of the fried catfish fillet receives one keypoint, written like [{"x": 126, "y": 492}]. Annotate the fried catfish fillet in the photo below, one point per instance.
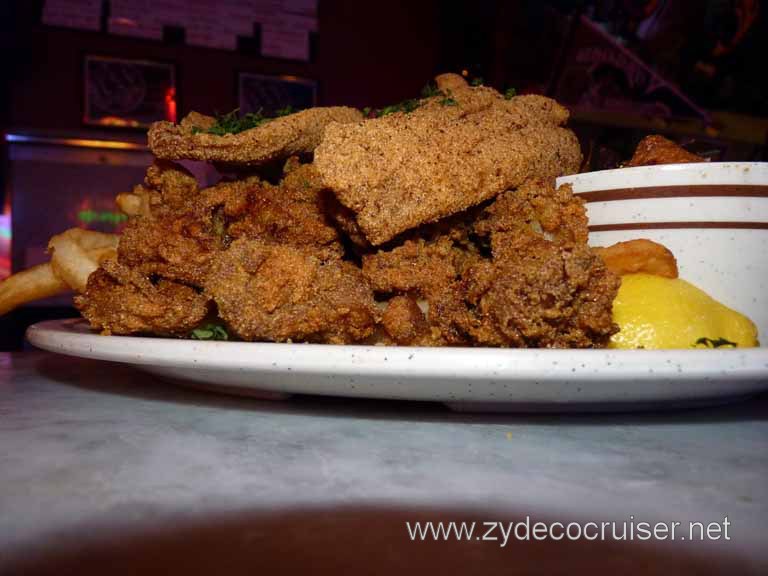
[
  {"x": 405, "y": 169},
  {"x": 656, "y": 149},
  {"x": 119, "y": 300},
  {"x": 279, "y": 138},
  {"x": 282, "y": 293}
]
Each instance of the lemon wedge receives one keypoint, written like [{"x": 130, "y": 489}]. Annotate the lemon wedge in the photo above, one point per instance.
[{"x": 657, "y": 312}]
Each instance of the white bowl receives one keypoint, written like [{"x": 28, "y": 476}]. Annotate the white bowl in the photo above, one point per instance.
[{"x": 713, "y": 216}]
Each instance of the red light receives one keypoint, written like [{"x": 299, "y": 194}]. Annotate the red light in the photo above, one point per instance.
[{"x": 170, "y": 104}]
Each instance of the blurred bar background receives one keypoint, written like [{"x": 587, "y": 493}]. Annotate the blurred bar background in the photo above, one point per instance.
[{"x": 82, "y": 79}]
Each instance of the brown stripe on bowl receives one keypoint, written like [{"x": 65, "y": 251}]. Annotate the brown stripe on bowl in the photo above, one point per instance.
[
  {"x": 689, "y": 191},
  {"x": 678, "y": 226}
]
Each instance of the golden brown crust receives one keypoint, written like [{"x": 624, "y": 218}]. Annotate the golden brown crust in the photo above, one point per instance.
[
  {"x": 541, "y": 294},
  {"x": 536, "y": 206},
  {"x": 298, "y": 133},
  {"x": 403, "y": 170},
  {"x": 450, "y": 82},
  {"x": 119, "y": 300},
  {"x": 656, "y": 149},
  {"x": 290, "y": 213},
  {"x": 282, "y": 293},
  {"x": 404, "y": 321},
  {"x": 639, "y": 255}
]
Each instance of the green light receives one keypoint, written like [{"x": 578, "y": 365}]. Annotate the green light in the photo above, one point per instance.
[{"x": 91, "y": 216}]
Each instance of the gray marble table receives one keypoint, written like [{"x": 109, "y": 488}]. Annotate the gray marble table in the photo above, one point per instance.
[{"x": 101, "y": 465}]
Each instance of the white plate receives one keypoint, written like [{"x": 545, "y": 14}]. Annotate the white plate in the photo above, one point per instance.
[{"x": 465, "y": 378}]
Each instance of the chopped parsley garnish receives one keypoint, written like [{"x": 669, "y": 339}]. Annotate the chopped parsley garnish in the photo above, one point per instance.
[
  {"x": 717, "y": 343},
  {"x": 284, "y": 111},
  {"x": 431, "y": 90},
  {"x": 510, "y": 93},
  {"x": 476, "y": 82},
  {"x": 233, "y": 123},
  {"x": 406, "y": 106},
  {"x": 209, "y": 332}
]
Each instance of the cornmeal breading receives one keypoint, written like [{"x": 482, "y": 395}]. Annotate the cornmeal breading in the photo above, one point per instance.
[
  {"x": 279, "y": 138},
  {"x": 446, "y": 213},
  {"x": 405, "y": 169},
  {"x": 543, "y": 286},
  {"x": 177, "y": 237},
  {"x": 282, "y": 293},
  {"x": 656, "y": 149},
  {"x": 404, "y": 321},
  {"x": 537, "y": 206},
  {"x": 119, "y": 300},
  {"x": 543, "y": 294}
]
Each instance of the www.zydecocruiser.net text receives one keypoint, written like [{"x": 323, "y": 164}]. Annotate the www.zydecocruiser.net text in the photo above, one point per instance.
[{"x": 527, "y": 529}]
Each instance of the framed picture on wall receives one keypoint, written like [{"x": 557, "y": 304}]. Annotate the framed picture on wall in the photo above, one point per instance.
[
  {"x": 271, "y": 93},
  {"x": 128, "y": 93}
]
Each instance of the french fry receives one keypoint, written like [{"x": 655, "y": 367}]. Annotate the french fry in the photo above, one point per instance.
[
  {"x": 31, "y": 284},
  {"x": 43, "y": 280},
  {"x": 639, "y": 255},
  {"x": 70, "y": 258},
  {"x": 129, "y": 203}
]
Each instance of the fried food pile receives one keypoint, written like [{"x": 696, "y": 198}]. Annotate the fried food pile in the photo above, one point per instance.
[{"x": 435, "y": 223}]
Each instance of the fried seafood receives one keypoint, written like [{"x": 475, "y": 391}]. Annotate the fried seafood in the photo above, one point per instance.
[
  {"x": 120, "y": 300},
  {"x": 452, "y": 152},
  {"x": 404, "y": 321},
  {"x": 173, "y": 233},
  {"x": 543, "y": 286},
  {"x": 656, "y": 149},
  {"x": 282, "y": 293},
  {"x": 541, "y": 293},
  {"x": 639, "y": 256},
  {"x": 279, "y": 138},
  {"x": 434, "y": 222},
  {"x": 181, "y": 228},
  {"x": 289, "y": 213},
  {"x": 557, "y": 214}
]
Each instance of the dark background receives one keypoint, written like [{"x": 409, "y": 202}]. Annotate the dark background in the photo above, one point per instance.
[{"x": 377, "y": 53}]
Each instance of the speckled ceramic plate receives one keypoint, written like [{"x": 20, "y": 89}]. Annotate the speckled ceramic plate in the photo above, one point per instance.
[{"x": 465, "y": 378}]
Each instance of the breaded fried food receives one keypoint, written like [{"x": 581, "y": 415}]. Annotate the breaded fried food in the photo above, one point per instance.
[
  {"x": 181, "y": 228},
  {"x": 119, "y": 300},
  {"x": 279, "y": 138},
  {"x": 405, "y": 169},
  {"x": 174, "y": 232},
  {"x": 656, "y": 149},
  {"x": 556, "y": 214},
  {"x": 544, "y": 286},
  {"x": 404, "y": 322},
  {"x": 290, "y": 213},
  {"x": 541, "y": 294},
  {"x": 427, "y": 270},
  {"x": 280, "y": 293},
  {"x": 166, "y": 184},
  {"x": 417, "y": 266},
  {"x": 639, "y": 256}
]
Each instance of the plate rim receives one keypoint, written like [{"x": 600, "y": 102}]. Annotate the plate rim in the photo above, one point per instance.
[{"x": 541, "y": 364}]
